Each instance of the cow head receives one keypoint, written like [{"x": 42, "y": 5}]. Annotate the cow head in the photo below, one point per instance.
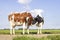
[{"x": 37, "y": 19}]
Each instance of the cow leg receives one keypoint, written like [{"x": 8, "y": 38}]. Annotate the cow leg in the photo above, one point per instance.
[
  {"x": 38, "y": 31},
  {"x": 12, "y": 27},
  {"x": 13, "y": 31},
  {"x": 40, "y": 28},
  {"x": 28, "y": 29},
  {"x": 24, "y": 28}
]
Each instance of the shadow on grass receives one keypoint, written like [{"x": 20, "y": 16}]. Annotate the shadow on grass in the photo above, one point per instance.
[
  {"x": 34, "y": 33},
  {"x": 29, "y": 33},
  {"x": 47, "y": 33},
  {"x": 26, "y": 33}
]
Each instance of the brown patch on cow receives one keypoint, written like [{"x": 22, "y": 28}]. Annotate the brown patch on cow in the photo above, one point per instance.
[{"x": 21, "y": 17}]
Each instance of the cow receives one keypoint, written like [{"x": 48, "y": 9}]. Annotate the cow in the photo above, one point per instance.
[
  {"x": 38, "y": 21},
  {"x": 20, "y": 19}
]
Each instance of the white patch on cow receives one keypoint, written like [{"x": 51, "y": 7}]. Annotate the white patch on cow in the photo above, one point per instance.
[
  {"x": 12, "y": 17},
  {"x": 12, "y": 23},
  {"x": 41, "y": 24},
  {"x": 18, "y": 23},
  {"x": 27, "y": 18}
]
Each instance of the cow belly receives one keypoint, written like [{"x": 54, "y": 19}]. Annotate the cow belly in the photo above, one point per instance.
[{"x": 19, "y": 23}]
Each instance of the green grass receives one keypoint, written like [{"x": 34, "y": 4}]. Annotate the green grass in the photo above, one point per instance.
[
  {"x": 24, "y": 38},
  {"x": 4, "y": 32},
  {"x": 55, "y": 37},
  {"x": 46, "y": 31},
  {"x": 51, "y": 31}
]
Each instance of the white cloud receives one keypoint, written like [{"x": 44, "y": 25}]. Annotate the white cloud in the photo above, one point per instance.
[
  {"x": 36, "y": 12},
  {"x": 24, "y": 1}
]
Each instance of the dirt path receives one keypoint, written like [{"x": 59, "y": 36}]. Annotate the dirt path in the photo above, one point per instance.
[
  {"x": 5, "y": 37},
  {"x": 10, "y": 37}
]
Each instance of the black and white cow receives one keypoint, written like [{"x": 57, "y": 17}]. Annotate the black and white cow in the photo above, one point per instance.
[{"x": 38, "y": 21}]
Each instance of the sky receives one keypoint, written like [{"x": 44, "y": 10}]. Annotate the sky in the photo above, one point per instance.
[{"x": 51, "y": 12}]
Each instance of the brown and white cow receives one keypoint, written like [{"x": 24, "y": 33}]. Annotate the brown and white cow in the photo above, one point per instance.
[
  {"x": 20, "y": 19},
  {"x": 25, "y": 19}
]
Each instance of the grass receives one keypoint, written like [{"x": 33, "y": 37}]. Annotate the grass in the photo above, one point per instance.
[
  {"x": 46, "y": 31},
  {"x": 51, "y": 31},
  {"x": 24, "y": 38},
  {"x": 55, "y": 37},
  {"x": 4, "y": 32}
]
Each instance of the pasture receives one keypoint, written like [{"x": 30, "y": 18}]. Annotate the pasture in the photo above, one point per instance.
[
  {"x": 44, "y": 31},
  {"x": 47, "y": 34}
]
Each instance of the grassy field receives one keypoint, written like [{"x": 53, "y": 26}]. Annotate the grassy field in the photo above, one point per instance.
[
  {"x": 46, "y": 31},
  {"x": 55, "y": 37}
]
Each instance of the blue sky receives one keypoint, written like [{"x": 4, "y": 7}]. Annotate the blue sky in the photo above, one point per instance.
[{"x": 51, "y": 12}]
